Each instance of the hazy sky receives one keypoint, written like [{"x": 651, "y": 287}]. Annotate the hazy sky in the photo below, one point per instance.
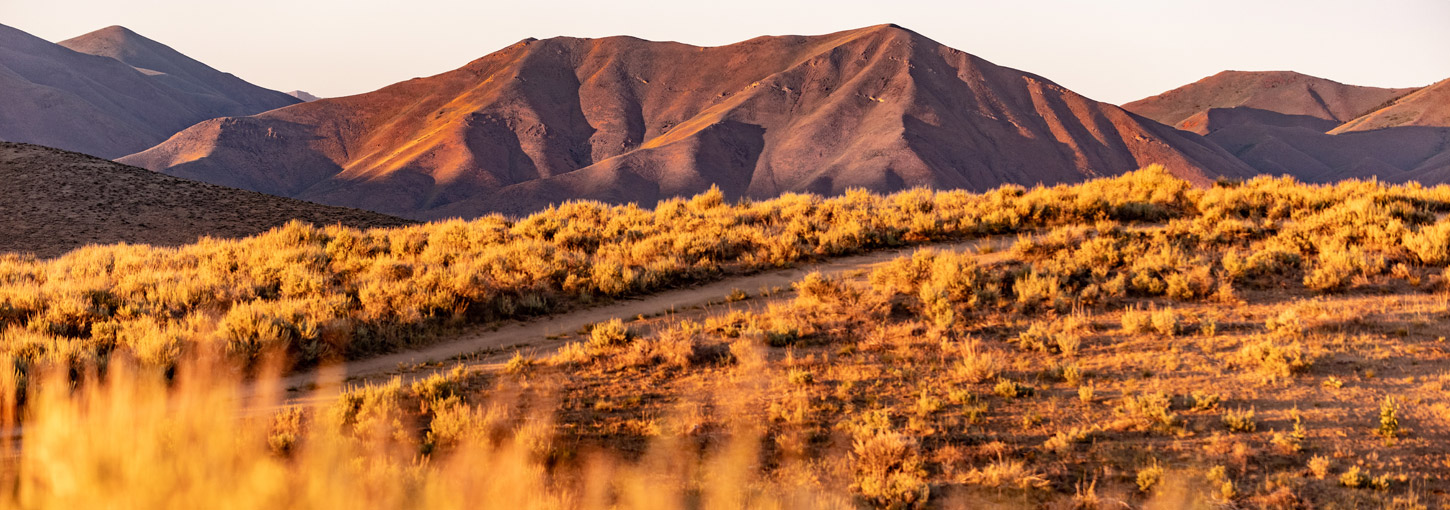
[{"x": 1112, "y": 51}]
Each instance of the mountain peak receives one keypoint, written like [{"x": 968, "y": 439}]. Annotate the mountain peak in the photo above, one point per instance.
[
  {"x": 305, "y": 96},
  {"x": 114, "y": 41},
  {"x": 112, "y": 92},
  {"x": 177, "y": 70},
  {"x": 116, "y": 31},
  {"x": 621, "y": 119}
]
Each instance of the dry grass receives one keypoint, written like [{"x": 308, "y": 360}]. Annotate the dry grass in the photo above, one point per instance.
[
  {"x": 328, "y": 293},
  {"x": 1095, "y": 365}
]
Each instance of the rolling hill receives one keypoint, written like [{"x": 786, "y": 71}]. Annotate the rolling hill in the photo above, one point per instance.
[
  {"x": 621, "y": 119},
  {"x": 54, "y": 201},
  {"x": 112, "y": 92}
]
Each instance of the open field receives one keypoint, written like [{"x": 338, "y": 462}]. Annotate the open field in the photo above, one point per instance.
[{"x": 1141, "y": 344}]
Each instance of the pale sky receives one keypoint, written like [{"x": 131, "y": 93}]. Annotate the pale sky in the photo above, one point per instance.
[{"x": 1114, "y": 51}]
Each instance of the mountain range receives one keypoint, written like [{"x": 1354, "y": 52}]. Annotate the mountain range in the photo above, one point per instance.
[{"x": 621, "y": 119}]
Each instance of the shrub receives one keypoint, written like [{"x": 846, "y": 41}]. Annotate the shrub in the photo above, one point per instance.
[
  {"x": 1240, "y": 420},
  {"x": 1006, "y": 473},
  {"x": 977, "y": 364},
  {"x": 1330, "y": 275},
  {"x": 286, "y": 431},
  {"x": 438, "y": 387},
  {"x": 1431, "y": 244},
  {"x": 609, "y": 335},
  {"x": 1354, "y": 478},
  {"x": 1319, "y": 466},
  {"x": 1034, "y": 290},
  {"x": 927, "y": 404},
  {"x": 1389, "y": 427},
  {"x": 1137, "y": 321},
  {"x": 453, "y": 423},
  {"x": 1007, "y": 388},
  {"x": 1203, "y": 401},
  {"x": 1062, "y": 441},
  {"x": 1275, "y": 361},
  {"x": 519, "y": 363},
  {"x": 1150, "y": 477},
  {"x": 1165, "y": 322},
  {"x": 1208, "y": 327},
  {"x": 372, "y": 411},
  {"x": 1062, "y": 335},
  {"x": 889, "y": 471},
  {"x": 800, "y": 377},
  {"x": 1153, "y": 410},
  {"x": 1287, "y": 323}
]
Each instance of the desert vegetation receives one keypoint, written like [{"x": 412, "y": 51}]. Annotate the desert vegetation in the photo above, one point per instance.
[
  {"x": 1136, "y": 343},
  {"x": 328, "y": 293}
]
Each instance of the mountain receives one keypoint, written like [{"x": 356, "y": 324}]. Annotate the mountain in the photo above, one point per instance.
[
  {"x": 1284, "y": 123},
  {"x": 1429, "y": 106},
  {"x": 222, "y": 92},
  {"x": 132, "y": 94},
  {"x": 303, "y": 95},
  {"x": 54, "y": 201},
  {"x": 621, "y": 119},
  {"x": 1282, "y": 92}
]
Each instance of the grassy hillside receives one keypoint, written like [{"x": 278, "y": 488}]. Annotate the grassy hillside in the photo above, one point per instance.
[
  {"x": 335, "y": 292},
  {"x": 1142, "y": 343}
]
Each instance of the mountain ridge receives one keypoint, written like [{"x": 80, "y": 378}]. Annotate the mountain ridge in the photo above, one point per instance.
[
  {"x": 1285, "y": 92},
  {"x": 622, "y": 119}
]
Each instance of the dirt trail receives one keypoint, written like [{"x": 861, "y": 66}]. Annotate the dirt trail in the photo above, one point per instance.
[{"x": 545, "y": 334}]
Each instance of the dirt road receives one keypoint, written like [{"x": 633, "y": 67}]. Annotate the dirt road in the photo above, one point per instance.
[{"x": 541, "y": 336}]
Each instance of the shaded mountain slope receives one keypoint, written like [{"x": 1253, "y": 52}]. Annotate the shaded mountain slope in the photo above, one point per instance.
[
  {"x": 55, "y": 96},
  {"x": 622, "y": 119},
  {"x": 54, "y": 201},
  {"x": 1279, "y": 144},
  {"x": 220, "y": 92}
]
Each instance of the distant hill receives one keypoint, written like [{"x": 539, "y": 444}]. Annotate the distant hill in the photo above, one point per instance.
[
  {"x": 112, "y": 92},
  {"x": 223, "y": 90},
  {"x": 1281, "y": 148},
  {"x": 1283, "y": 123},
  {"x": 54, "y": 201},
  {"x": 1283, "y": 92},
  {"x": 303, "y": 95},
  {"x": 1427, "y": 107},
  {"x": 621, "y": 119}
]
